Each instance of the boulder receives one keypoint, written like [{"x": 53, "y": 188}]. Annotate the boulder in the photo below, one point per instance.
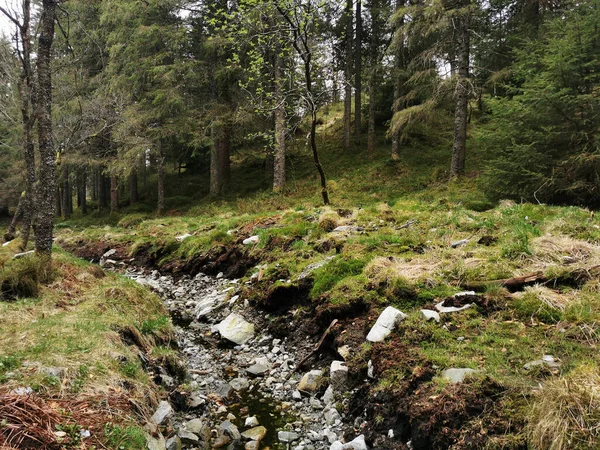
[
  {"x": 387, "y": 321},
  {"x": 235, "y": 329}
]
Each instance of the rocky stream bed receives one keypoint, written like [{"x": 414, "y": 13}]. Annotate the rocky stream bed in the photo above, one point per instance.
[{"x": 243, "y": 391}]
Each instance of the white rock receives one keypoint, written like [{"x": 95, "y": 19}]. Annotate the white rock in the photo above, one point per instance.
[
  {"x": 162, "y": 413},
  {"x": 428, "y": 314},
  {"x": 450, "y": 309},
  {"x": 22, "y": 255},
  {"x": 357, "y": 444},
  {"x": 235, "y": 329},
  {"x": 251, "y": 422},
  {"x": 183, "y": 237},
  {"x": 252, "y": 240},
  {"x": 387, "y": 321},
  {"x": 6, "y": 244}
]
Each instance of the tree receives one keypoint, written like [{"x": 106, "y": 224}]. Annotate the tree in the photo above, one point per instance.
[
  {"x": 358, "y": 73},
  {"x": 301, "y": 15},
  {"x": 348, "y": 36}
]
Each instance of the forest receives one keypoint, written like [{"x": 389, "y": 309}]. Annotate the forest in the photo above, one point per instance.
[{"x": 229, "y": 194}]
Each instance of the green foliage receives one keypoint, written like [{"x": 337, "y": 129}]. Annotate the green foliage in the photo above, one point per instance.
[
  {"x": 544, "y": 135},
  {"x": 334, "y": 271},
  {"x": 529, "y": 306},
  {"x": 158, "y": 324},
  {"x": 120, "y": 437}
]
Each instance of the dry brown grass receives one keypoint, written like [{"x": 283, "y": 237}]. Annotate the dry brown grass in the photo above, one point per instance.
[
  {"x": 566, "y": 413},
  {"x": 328, "y": 220},
  {"x": 382, "y": 269},
  {"x": 549, "y": 296},
  {"x": 565, "y": 250}
]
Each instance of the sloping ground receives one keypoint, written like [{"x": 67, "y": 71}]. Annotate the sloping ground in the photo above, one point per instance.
[
  {"x": 71, "y": 352},
  {"x": 412, "y": 254}
]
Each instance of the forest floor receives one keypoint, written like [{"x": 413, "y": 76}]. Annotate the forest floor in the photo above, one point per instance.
[{"x": 407, "y": 240}]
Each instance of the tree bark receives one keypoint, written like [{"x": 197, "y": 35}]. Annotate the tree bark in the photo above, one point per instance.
[
  {"x": 47, "y": 166},
  {"x": 215, "y": 166},
  {"x": 374, "y": 79},
  {"x": 280, "y": 128},
  {"x": 398, "y": 66},
  {"x": 358, "y": 74},
  {"x": 348, "y": 75},
  {"x": 133, "y": 188},
  {"x": 114, "y": 194},
  {"x": 82, "y": 190},
  {"x": 225, "y": 156},
  {"x": 12, "y": 227},
  {"x": 67, "y": 193},
  {"x": 160, "y": 209},
  {"x": 461, "y": 93}
]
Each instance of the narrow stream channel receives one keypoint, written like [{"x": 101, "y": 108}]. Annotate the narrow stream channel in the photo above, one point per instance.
[{"x": 236, "y": 388}]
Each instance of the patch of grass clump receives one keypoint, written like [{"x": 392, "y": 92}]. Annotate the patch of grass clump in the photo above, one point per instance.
[
  {"x": 151, "y": 326},
  {"x": 124, "y": 438},
  {"x": 566, "y": 412},
  {"x": 529, "y": 306},
  {"x": 328, "y": 220},
  {"x": 21, "y": 278},
  {"x": 334, "y": 271}
]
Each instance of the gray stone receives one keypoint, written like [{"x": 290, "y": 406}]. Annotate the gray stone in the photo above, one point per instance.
[
  {"x": 162, "y": 413},
  {"x": 338, "y": 376},
  {"x": 174, "y": 443},
  {"x": 255, "y": 434},
  {"x": 183, "y": 237},
  {"x": 387, "y": 321},
  {"x": 314, "y": 266},
  {"x": 239, "y": 384},
  {"x": 258, "y": 369},
  {"x": 547, "y": 360},
  {"x": 224, "y": 389},
  {"x": 460, "y": 243},
  {"x": 348, "y": 229},
  {"x": 188, "y": 437},
  {"x": 328, "y": 396},
  {"x": 457, "y": 375},
  {"x": 450, "y": 309},
  {"x": 332, "y": 416},
  {"x": 22, "y": 391},
  {"x": 196, "y": 426},
  {"x": 231, "y": 430},
  {"x": 428, "y": 314},
  {"x": 155, "y": 444},
  {"x": 235, "y": 329},
  {"x": 252, "y": 445},
  {"x": 311, "y": 381},
  {"x": 287, "y": 436}
]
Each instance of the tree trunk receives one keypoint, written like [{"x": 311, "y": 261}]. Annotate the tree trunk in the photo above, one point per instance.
[
  {"x": 27, "y": 93},
  {"x": 58, "y": 200},
  {"x": 12, "y": 227},
  {"x": 215, "y": 166},
  {"x": 94, "y": 182},
  {"x": 114, "y": 194},
  {"x": 133, "y": 188},
  {"x": 374, "y": 79},
  {"x": 225, "y": 156},
  {"x": 67, "y": 193},
  {"x": 160, "y": 209},
  {"x": 102, "y": 197},
  {"x": 461, "y": 93},
  {"x": 47, "y": 166},
  {"x": 348, "y": 75},
  {"x": 358, "y": 74},
  {"x": 82, "y": 190},
  {"x": 280, "y": 128},
  {"x": 398, "y": 66}
]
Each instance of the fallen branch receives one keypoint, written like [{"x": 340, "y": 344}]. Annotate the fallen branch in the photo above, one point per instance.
[
  {"x": 316, "y": 347},
  {"x": 577, "y": 276}
]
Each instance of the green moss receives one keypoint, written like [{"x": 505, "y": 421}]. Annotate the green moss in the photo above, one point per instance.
[{"x": 334, "y": 271}]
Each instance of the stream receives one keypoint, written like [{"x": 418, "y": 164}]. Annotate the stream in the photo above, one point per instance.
[{"x": 242, "y": 395}]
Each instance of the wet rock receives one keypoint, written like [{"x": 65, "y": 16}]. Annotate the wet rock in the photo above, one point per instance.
[
  {"x": 311, "y": 381},
  {"x": 251, "y": 422},
  {"x": 287, "y": 436},
  {"x": 428, "y": 314},
  {"x": 162, "y": 413},
  {"x": 255, "y": 434},
  {"x": 252, "y": 240},
  {"x": 338, "y": 376},
  {"x": 239, "y": 384},
  {"x": 231, "y": 430},
  {"x": 235, "y": 329},
  {"x": 174, "y": 443},
  {"x": 457, "y": 375},
  {"x": 384, "y": 325}
]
